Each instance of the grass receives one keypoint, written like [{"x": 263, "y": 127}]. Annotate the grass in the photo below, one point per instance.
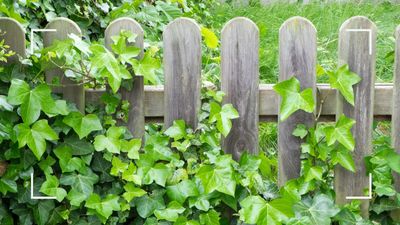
[{"x": 327, "y": 19}]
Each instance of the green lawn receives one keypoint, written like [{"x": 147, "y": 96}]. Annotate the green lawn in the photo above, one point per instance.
[{"x": 327, "y": 18}]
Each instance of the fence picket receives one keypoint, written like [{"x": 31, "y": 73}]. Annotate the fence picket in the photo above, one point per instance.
[
  {"x": 71, "y": 91},
  {"x": 357, "y": 49},
  {"x": 14, "y": 36},
  {"x": 136, "y": 95},
  {"x": 297, "y": 57},
  {"x": 396, "y": 104},
  {"x": 182, "y": 70},
  {"x": 239, "y": 81}
]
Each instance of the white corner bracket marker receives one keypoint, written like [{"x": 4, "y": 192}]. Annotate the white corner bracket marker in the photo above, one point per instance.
[
  {"x": 38, "y": 197},
  {"x": 369, "y": 36},
  {"x": 363, "y": 197},
  {"x": 39, "y": 30}
]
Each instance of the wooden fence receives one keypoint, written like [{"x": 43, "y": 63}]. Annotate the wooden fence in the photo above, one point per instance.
[{"x": 180, "y": 96}]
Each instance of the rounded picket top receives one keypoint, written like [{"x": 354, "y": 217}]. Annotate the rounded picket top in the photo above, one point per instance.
[
  {"x": 182, "y": 71},
  {"x": 63, "y": 27},
  {"x": 239, "y": 22},
  {"x": 124, "y": 23},
  {"x": 358, "y": 22},
  {"x": 14, "y": 36},
  {"x": 296, "y": 24}
]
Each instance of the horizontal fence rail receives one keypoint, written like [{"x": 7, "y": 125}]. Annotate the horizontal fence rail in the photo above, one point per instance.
[
  {"x": 180, "y": 97},
  {"x": 268, "y": 102}
]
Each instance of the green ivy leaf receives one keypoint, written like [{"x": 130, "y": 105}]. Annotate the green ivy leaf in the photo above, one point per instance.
[
  {"x": 132, "y": 192},
  {"x": 42, "y": 211},
  {"x": 146, "y": 205},
  {"x": 81, "y": 185},
  {"x": 171, "y": 213},
  {"x": 181, "y": 191},
  {"x": 35, "y": 137},
  {"x": 103, "y": 207},
  {"x": 83, "y": 125},
  {"x": 219, "y": 177},
  {"x": 343, "y": 80},
  {"x": 343, "y": 156},
  {"x": 293, "y": 99},
  {"x": 177, "y": 130},
  {"x": 320, "y": 209},
  {"x": 184, "y": 221},
  {"x": 300, "y": 131},
  {"x": 111, "y": 142},
  {"x": 341, "y": 132},
  {"x": 146, "y": 67},
  {"x": 108, "y": 66},
  {"x": 66, "y": 161},
  {"x": 51, "y": 188},
  {"x": 209, "y": 218},
  {"x": 132, "y": 147},
  {"x": 7, "y": 185},
  {"x": 314, "y": 173},
  {"x": 118, "y": 166},
  {"x": 252, "y": 209},
  {"x": 33, "y": 101},
  {"x": 223, "y": 116}
]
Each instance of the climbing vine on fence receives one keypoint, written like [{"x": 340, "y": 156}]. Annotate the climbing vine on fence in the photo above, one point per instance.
[{"x": 99, "y": 174}]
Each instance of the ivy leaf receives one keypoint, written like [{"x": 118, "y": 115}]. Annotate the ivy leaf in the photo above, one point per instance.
[
  {"x": 300, "y": 131},
  {"x": 146, "y": 67},
  {"x": 343, "y": 156},
  {"x": 293, "y": 99},
  {"x": 159, "y": 173},
  {"x": 7, "y": 185},
  {"x": 105, "y": 206},
  {"x": 41, "y": 212},
  {"x": 177, "y": 130},
  {"x": 81, "y": 185},
  {"x": 209, "y": 218},
  {"x": 343, "y": 80},
  {"x": 183, "y": 221},
  {"x": 117, "y": 166},
  {"x": 210, "y": 38},
  {"x": 146, "y": 205},
  {"x": 180, "y": 192},
  {"x": 66, "y": 161},
  {"x": 83, "y": 125},
  {"x": 314, "y": 173},
  {"x": 320, "y": 209},
  {"x": 108, "y": 66},
  {"x": 111, "y": 142},
  {"x": 341, "y": 132},
  {"x": 219, "y": 177},
  {"x": 51, "y": 188},
  {"x": 31, "y": 101},
  {"x": 252, "y": 208},
  {"x": 132, "y": 192},
  {"x": 35, "y": 137},
  {"x": 171, "y": 213},
  {"x": 132, "y": 147},
  {"x": 223, "y": 116}
]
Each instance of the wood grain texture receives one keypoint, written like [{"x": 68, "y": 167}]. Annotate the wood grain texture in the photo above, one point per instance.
[
  {"x": 71, "y": 91},
  {"x": 354, "y": 50},
  {"x": 396, "y": 104},
  {"x": 13, "y": 35},
  {"x": 297, "y": 57},
  {"x": 182, "y": 71},
  {"x": 239, "y": 82},
  {"x": 136, "y": 95}
]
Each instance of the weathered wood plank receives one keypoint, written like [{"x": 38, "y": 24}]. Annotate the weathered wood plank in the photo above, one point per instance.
[
  {"x": 357, "y": 49},
  {"x": 14, "y": 36},
  {"x": 182, "y": 70},
  {"x": 136, "y": 95},
  {"x": 297, "y": 57},
  {"x": 71, "y": 91},
  {"x": 396, "y": 104},
  {"x": 268, "y": 102},
  {"x": 239, "y": 82}
]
